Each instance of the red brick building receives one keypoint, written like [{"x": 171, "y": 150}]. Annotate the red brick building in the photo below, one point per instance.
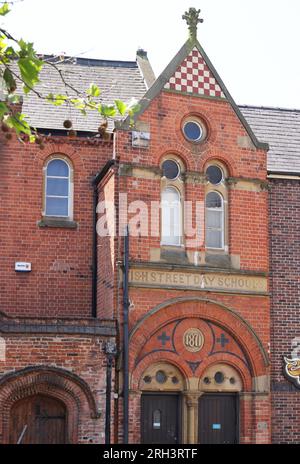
[
  {"x": 199, "y": 311},
  {"x": 190, "y": 177},
  {"x": 281, "y": 128},
  {"x": 53, "y": 341}
]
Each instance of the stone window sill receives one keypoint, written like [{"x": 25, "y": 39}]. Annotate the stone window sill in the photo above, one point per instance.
[{"x": 57, "y": 223}]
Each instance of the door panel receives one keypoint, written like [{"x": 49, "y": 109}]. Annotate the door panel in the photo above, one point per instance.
[
  {"x": 218, "y": 418},
  {"x": 45, "y": 418},
  {"x": 160, "y": 419}
]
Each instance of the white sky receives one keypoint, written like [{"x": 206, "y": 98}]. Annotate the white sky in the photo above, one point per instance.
[{"x": 253, "y": 44}]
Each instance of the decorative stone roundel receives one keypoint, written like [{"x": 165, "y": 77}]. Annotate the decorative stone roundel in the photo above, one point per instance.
[{"x": 193, "y": 340}]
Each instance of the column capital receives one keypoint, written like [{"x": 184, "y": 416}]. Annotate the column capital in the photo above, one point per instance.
[{"x": 192, "y": 398}]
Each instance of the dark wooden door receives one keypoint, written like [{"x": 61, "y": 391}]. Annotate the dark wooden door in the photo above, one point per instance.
[
  {"x": 218, "y": 418},
  {"x": 160, "y": 419},
  {"x": 45, "y": 418}
]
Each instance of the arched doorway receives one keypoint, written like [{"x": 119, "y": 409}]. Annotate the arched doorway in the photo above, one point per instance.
[
  {"x": 195, "y": 336},
  {"x": 161, "y": 404},
  {"x": 218, "y": 410},
  {"x": 38, "y": 419}
]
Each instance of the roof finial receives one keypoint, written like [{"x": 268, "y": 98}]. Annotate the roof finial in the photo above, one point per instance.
[{"x": 192, "y": 18}]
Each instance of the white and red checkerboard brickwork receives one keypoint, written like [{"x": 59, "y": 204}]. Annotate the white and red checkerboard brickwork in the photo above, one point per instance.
[{"x": 194, "y": 76}]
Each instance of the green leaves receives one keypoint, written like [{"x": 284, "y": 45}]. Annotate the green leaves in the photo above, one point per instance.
[
  {"x": 19, "y": 63},
  {"x": 108, "y": 111},
  {"x": 4, "y": 9},
  {"x": 17, "y": 122},
  {"x": 121, "y": 106},
  {"x": 9, "y": 80},
  {"x": 3, "y": 109},
  {"x": 93, "y": 91},
  {"x": 29, "y": 69},
  {"x": 56, "y": 100}
]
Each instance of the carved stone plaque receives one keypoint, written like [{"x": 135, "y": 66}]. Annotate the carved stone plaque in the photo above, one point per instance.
[{"x": 193, "y": 340}]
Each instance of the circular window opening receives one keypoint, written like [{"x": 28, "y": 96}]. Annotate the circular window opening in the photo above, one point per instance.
[
  {"x": 214, "y": 174},
  {"x": 170, "y": 169},
  {"x": 161, "y": 377},
  {"x": 219, "y": 377},
  {"x": 193, "y": 131}
]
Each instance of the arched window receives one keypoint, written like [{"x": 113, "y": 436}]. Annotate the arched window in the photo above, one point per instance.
[
  {"x": 156, "y": 419},
  {"x": 58, "y": 189},
  {"x": 171, "y": 231},
  {"x": 214, "y": 220}
]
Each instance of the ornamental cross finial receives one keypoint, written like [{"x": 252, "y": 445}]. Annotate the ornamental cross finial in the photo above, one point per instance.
[{"x": 192, "y": 18}]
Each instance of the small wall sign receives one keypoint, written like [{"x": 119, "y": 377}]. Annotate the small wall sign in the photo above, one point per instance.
[
  {"x": 216, "y": 426},
  {"x": 22, "y": 267},
  {"x": 140, "y": 139},
  {"x": 292, "y": 370}
]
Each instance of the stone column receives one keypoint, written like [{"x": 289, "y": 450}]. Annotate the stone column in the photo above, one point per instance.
[{"x": 192, "y": 401}]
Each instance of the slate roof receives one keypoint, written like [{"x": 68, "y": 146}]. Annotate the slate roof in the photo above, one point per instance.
[
  {"x": 116, "y": 79},
  {"x": 280, "y": 128}
]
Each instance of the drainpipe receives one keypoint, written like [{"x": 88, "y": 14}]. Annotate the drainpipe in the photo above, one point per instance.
[
  {"x": 126, "y": 336},
  {"x": 95, "y": 184},
  {"x": 110, "y": 350},
  {"x": 94, "y": 253}
]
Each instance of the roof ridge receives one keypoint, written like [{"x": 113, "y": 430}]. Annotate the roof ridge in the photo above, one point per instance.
[
  {"x": 272, "y": 108},
  {"x": 78, "y": 60}
]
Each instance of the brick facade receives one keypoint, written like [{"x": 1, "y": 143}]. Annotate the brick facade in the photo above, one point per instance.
[
  {"x": 285, "y": 256},
  {"x": 52, "y": 344},
  {"x": 60, "y": 282},
  {"x": 242, "y": 318}
]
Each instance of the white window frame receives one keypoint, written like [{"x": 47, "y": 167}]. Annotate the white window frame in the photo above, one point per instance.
[
  {"x": 165, "y": 242},
  {"x": 222, "y": 228},
  {"x": 69, "y": 216}
]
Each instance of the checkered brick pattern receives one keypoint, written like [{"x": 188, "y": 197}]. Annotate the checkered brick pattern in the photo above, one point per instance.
[{"x": 194, "y": 76}]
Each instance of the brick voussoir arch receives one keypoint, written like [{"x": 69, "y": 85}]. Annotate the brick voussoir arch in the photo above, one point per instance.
[
  {"x": 229, "y": 359},
  {"x": 174, "y": 149},
  {"x": 215, "y": 155},
  {"x": 58, "y": 383},
  {"x": 204, "y": 308}
]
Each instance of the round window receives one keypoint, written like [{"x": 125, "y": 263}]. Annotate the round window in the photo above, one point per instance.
[
  {"x": 219, "y": 377},
  {"x": 170, "y": 169},
  {"x": 193, "y": 131},
  {"x": 161, "y": 377},
  {"x": 147, "y": 379},
  {"x": 214, "y": 174}
]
